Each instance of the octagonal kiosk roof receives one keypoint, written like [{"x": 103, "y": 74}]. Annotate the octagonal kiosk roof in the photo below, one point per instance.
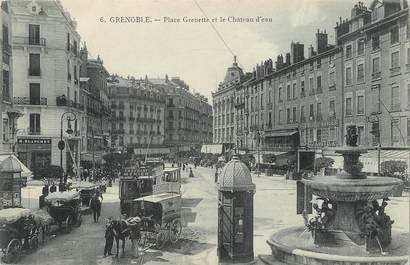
[
  {"x": 235, "y": 176},
  {"x": 9, "y": 163}
]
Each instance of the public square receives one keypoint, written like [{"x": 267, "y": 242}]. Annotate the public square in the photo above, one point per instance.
[{"x": 275, "y": 208}]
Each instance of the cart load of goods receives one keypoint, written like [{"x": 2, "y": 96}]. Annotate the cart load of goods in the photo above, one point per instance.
[{"x": 62, "y": 196}]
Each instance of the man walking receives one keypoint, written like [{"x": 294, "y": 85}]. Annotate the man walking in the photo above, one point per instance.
[
  {"x": 109, "y": 238},
  {"x": 95, "y": 206}
]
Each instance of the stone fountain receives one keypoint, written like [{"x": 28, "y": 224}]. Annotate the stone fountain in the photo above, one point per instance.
[{"x": 350, "y": 225}]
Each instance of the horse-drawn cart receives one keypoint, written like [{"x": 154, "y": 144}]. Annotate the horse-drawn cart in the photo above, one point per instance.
[
  {"x": 65, "y": 209},
  {"x": 18, "y": 232},
  {"x": 161, "y": 218}
]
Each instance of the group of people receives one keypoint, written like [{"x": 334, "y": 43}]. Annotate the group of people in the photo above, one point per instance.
[{"x": 97, "y": 174}]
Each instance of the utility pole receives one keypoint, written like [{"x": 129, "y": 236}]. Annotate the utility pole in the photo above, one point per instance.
[{"x": 93, "y": 145}]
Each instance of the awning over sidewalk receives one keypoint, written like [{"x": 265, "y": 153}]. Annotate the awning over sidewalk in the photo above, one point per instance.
[
  {"x": 152, "y": 151},
  {"x": 211, "y": 149},
  {"x": 370, "y": 159},
  {"x": 98, "y": 157},
  {"x": 280, "y": 134}
]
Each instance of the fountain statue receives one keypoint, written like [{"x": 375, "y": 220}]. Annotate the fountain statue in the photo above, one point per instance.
[{"x": 350, "y": 224}]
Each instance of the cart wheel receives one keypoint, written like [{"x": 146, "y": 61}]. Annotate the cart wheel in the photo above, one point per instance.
[
  {"x": 161, "y": 239},
  {"x": 79, "y": 219},
  {"x": 34, "y": 242},
  {"x": 67, "y": 223},
  {"x": 41, "y": 234},
  {"x": 13, "y": 251},
  {"x": 175, "y": 230}
]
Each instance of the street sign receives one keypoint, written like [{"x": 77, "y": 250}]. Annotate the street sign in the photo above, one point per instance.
[{"x": 61, "y": 145}]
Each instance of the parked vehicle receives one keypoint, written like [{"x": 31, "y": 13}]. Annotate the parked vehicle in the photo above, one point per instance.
[
  {"x": 65, "y": 209},
  {"x": 146, "y": 180},
  {"x": 18, "y": 232},
  {"x": 161, "y": 217}
]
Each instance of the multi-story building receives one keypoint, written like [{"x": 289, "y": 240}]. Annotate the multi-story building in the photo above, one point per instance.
[
  {"x": 8, "y": 115},
  {"x": 188, "y": 115},
  {"x": 138, "y": 110},
  {"x": 46, "y": 63},
  {"x": 303, "y": 105},
  {"x": 376, "y": 69},
  {"x": 225, "y": 106},
  {"x": 94, "y": 97}
]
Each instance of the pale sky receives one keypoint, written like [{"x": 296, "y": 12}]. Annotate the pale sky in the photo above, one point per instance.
[{"x": 193, "y": 51}]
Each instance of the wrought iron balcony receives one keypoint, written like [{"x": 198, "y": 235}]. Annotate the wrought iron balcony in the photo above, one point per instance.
[
  {"x": 29, "y": 41},
  {"x": 30, "y": 101}
]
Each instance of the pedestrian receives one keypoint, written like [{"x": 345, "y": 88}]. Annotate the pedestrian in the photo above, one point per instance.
[
  {"x": 53, "y": 188},
  {"x": 95, "y": 206},
  {"x": 183, "y": 167},
  {"x": 216, "y": 176},
  {"x": 191, "y": 174},
  {"x": 109, "y": 237}
]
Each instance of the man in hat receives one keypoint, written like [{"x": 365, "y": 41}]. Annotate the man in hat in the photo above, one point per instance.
[{"x": 109, "y": 237}]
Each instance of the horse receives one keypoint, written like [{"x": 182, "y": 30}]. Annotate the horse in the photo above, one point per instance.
[{"x": 121, "y": 232}]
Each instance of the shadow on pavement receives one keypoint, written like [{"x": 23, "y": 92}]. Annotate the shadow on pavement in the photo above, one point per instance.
[
  {"x": 188, "y": 247},
  {"x": 188, "y": 216},
  {"x": 191, "y": 202}
]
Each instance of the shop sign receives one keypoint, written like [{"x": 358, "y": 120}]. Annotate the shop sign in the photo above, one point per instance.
[{"x": 34, "y": 141}]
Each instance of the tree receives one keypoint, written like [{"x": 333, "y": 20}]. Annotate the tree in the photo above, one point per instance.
[
  {"x": 324, "y": 162},
  {"x": 393, "y": 168}
]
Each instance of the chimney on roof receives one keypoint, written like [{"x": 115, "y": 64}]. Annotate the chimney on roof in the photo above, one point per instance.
[
  {"x": 296, "y": 52},
  {"x": 279, "y": 62},
  {"x": 311, "y": 51},
  {"x": 287, "y": 58},
  {"x": 321, "y": 41},
  {"x": 234, "y": 61}
]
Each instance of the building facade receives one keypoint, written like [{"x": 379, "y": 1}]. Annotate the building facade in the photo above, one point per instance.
[
  {"x": 376, "y": 69},
  {"x": 188, "y": 115},
  {"x": 94, "y": 95},
  {"x": 46, "y": 64},
  {"x": 8, "y": 116},
  {"x": 226, "y": 105},
  {"x": 138, "y": 110},
  {"x": 303, "y": 104}
]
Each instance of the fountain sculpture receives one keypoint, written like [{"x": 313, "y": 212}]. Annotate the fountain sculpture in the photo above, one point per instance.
[{"x": 350, "y": 224}]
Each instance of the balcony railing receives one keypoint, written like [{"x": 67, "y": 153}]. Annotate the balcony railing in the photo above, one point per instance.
[
  {"x": 395, "y": 70},
  {"x": 62, "y": 101},
  {"x": 376, "y": 75},
  {"x": 30, "y": 101},
  {"x": 312, "y": 92},
  {"x": 302, "y": 94},
  {"x": 34, "y": 72},
  {"x": 131, "y": 118},
  {"x": 29, "y": 41},
  {"x": 34, "y": 131},
  {"x": 319, "y": 90}
]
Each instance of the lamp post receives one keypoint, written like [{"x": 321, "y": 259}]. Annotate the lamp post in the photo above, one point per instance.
[
  {"x": 258, "y": 139},
  {"x": 61, "y": 143}
]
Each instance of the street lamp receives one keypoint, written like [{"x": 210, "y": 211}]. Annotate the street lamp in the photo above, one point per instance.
[
  {"x": 258, "y": 139},
  {"x": 61, "y": 143}
]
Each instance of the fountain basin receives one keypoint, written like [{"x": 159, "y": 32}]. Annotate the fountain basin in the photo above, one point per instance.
[
  {"x": 295, "y": 246},
  {"x": 349, "y": 190}
]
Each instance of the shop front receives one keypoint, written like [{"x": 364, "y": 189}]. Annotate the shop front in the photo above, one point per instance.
[{"x": 35, "y": 153}]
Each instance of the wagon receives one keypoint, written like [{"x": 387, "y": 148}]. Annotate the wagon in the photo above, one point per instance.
[
  {"x": 87, "y": 191},
  {"x": 161, "y": 216},
  {"x": 65, "y": 209},
  {"x": 18, "y": 232}
]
